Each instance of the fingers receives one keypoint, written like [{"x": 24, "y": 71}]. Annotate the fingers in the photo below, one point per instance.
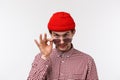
[
  {"x": 40, "y": 38},
  {"x": 50, "y": 40},
  {"x": 43, "y": 40},
  {"x": 40, "y": 41},
  {"x": 36, "y": 43},
  {"x": 45, "y": 36}
]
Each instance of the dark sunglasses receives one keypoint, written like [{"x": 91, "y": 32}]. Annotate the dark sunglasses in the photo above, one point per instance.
[{"x": 66, "y": 40}]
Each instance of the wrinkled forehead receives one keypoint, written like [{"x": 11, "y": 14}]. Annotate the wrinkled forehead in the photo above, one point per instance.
[{"x": 61, "y": 33}]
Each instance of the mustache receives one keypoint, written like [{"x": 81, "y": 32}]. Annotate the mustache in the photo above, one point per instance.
[{"x": 66, "y": 40}]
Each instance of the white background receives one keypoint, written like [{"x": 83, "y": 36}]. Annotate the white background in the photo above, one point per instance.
[{"x": 97, "y": 33}]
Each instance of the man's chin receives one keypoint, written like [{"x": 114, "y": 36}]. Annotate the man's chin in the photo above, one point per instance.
[{"x": 61, "y": 49}]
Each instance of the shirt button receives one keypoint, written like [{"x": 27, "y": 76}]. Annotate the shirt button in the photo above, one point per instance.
[
  {"x": 62, "y": 61},
  {"x": 58, "y": 55},
  {"x": 68, "y": 56},
  {"x": 46, "y": 65}
]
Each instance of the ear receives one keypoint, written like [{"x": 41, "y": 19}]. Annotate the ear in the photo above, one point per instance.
[{"x": 73, "y": 32}]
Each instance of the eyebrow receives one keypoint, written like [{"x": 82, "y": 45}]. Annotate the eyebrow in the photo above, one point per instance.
[
  {"x": 56, "y": 34},
  {"x": 60, "y": 35}
]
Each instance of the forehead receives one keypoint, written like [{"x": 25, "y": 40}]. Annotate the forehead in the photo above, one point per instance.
[{"x": 61, "y": 33}]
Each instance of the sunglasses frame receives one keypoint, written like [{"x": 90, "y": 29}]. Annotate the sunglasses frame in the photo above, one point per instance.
[{"x": 66, "y": 40}]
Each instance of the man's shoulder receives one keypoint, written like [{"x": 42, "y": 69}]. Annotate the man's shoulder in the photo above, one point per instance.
[{"x": 82, "y": 54}]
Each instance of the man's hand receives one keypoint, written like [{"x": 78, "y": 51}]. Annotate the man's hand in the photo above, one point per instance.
[{"x": 45, "y": 45}]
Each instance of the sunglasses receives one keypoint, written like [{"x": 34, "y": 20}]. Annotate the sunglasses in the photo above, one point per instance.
[{"x": 66, "y": 40}]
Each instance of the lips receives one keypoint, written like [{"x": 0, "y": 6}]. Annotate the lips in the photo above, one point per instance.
[{"x": 62, "y": 45}]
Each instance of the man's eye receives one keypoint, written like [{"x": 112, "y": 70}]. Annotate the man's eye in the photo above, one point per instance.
[
  {"x": 66, "y": 35},
  {"x": 56, "y": 36}
]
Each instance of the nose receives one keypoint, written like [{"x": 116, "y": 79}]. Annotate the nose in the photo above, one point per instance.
[{"x": 61, "y": 40}]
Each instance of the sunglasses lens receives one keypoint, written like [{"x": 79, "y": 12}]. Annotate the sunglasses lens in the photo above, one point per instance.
[
  {"x": 56, "y": 41},
  {"x": 66, "y": 40}
]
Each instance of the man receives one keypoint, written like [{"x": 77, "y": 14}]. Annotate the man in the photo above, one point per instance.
[{"x": 63, "y": 62}]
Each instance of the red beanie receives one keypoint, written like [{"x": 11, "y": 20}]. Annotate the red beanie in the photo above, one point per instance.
[{"x": 61, "y": 21}]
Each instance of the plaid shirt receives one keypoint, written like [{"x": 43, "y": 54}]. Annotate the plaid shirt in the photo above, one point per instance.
[{"x": 71, "y": 65}]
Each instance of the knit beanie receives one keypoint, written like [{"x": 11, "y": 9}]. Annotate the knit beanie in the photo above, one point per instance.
[{"x": 61, "y": 21}]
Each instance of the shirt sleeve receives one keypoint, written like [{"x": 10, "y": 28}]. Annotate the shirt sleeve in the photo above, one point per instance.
[
  {"x": 92, "y": 71},
  {"x": 39, "y": 68}
]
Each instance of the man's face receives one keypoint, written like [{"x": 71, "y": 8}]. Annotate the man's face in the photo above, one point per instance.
[{"x": 62, "y": 40}]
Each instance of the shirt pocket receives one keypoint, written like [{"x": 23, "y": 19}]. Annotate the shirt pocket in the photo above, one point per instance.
[
  {"x": 76, "y": 70},
  {"x": 75, "y": 77},
  {"x": 76, "y": 66}
]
